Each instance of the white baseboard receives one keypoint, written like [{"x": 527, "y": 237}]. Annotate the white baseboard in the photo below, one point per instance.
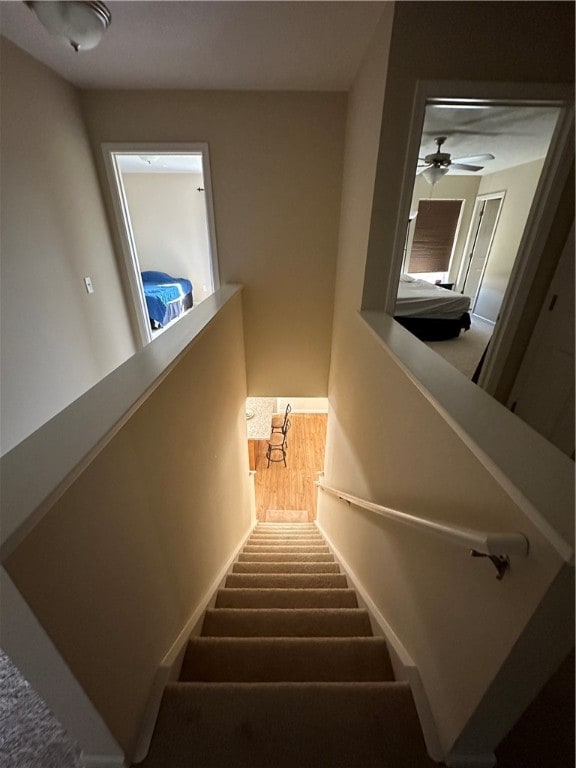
[
  {"x": 471, "y": 761},
  {"x": 170, "y": 665},
  {"x": 402, "y": 663},
  {"x": 303, "y": 404},
  {"x": 102, "y": 761}
]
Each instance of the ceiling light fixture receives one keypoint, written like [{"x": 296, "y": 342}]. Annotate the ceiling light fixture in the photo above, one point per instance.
[
  {"x": 434, "y": 173},
  {"x": 80, "y": 24}
]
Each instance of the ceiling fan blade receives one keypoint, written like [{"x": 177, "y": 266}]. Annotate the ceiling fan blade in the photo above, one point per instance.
[
  {"x": 474, "y": 159},
  {"x": 465, "y": 167}
]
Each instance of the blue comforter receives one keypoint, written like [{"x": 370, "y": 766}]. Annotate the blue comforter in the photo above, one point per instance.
[{"x": 160, "y": 291}]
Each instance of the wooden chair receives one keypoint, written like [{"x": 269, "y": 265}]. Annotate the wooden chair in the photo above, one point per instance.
[
  {"x": 277, "y": 445},
  {"x": 279, "y": 421}
]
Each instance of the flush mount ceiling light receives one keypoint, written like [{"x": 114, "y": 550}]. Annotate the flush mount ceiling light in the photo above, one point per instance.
[{"x": 80, "y": 24}]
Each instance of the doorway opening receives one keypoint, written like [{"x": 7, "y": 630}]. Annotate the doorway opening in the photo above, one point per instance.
[
  {"x": 163, "y": 204},
  {"x": 480, "y": 237},
  {"x": 493, "y": 158},
  {"x": 285, "y": 492}
]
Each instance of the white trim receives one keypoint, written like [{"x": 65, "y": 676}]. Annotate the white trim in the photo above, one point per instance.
[
  {"x": 171, "y": 664},
  {"x": 35, "y": 655},
  {"x": 559, "y": 160},
  {"x": 460, "y": 285},
  {"x": 488, "y": 543},
  {"x": 481, "y": 423},
  {"x": 37, "y": 471},
  {"x": 131, "y": 270},
  {"x": 402, "y": 663}
]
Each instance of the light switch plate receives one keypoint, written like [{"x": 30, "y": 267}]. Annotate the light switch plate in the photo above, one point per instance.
[{"x": 88, "y": 284}]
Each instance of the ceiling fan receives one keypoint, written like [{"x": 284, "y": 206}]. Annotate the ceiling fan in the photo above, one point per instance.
[{"x": 437, "y": 164}]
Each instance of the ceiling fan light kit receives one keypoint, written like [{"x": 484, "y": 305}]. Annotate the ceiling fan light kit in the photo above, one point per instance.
[
  {"x": 434, "y": 173},
  {"x": 437, "y": 164},
  {"x": 80, "y": 24}
]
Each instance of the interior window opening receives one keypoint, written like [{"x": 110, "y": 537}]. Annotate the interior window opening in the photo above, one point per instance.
[
  {"x": 477, "y": 174},
  {"x": 163, "y": 204}
]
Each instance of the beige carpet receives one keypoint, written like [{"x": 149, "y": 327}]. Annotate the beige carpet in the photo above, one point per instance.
[
  {"x": 286, "y": 672},
  {"x": 465, "y": 351}
]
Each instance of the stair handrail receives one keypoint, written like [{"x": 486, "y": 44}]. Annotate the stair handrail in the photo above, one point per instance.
[{"x": 498, "y": 546}]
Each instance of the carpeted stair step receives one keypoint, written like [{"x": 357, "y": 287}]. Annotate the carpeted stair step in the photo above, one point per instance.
[
  {"x": 285, "y": 542},
  {"x": 290, "y": 567},
  {"x": 283, "y": 548},
  {"x": 280, "y": 526},
  {"x": 286, "y": 672},
  {"x": 288, "y": 725},
  {"x": 286, "y": 581},
  {"x": 286, "y": 598},
  {"x": 312, "y": 537},
  {"x": 280, "y": 530},
  {"x": 284, "y": 557},
  {"x": 290, "y": 659},
  {"x": 286, "y": 622}
]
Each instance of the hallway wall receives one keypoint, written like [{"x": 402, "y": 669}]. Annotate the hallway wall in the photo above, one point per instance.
[
  {"x": 276, "y": 169},
  {"x": 120, "y": 562},
  {"x": 383, "y": 432},
  {"x": 53, "y": 234}
]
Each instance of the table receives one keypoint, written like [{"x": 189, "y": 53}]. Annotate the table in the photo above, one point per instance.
[{"x": 258, "y": 426}]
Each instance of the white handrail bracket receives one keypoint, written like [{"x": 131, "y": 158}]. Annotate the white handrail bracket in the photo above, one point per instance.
[{"x": 496, "y": 546}]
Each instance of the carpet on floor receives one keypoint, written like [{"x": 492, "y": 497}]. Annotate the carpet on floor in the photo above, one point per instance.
[{"x": 31, "y": 737}]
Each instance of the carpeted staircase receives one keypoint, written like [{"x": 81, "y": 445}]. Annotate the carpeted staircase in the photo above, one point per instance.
[{"x": 286, "y": 672}]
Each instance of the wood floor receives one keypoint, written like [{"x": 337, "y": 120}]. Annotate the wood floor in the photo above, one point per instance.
[{"x": 292, "y": 487}]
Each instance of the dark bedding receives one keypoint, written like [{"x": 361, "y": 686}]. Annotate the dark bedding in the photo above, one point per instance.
[
  {"x": 166, "y": 297},
  {"x": 435, "y": 328}
]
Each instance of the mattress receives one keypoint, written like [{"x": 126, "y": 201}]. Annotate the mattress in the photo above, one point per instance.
[
  {"x": 166, "y": 296},
  {"x": 419, "y": 298}
]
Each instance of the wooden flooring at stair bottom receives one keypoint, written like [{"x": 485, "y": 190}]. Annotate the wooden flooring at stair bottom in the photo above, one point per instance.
[{"x": 286, "y": 672}]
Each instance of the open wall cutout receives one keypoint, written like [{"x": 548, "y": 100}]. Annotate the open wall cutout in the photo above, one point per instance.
[
  {"x": 519, "y": 115},
  {"x": 163, "y": 204}
]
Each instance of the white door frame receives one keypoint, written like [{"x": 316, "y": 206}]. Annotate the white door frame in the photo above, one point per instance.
[
  {"x": 469, "y": 244},
  {"x": 131, "y": 272},
  {"x": 547, "y": 196}
]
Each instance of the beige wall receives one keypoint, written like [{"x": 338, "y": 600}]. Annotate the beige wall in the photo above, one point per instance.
[
  {"x": 383, "y": 432},
  {"x": 119, "y": 564},
  {"x": 57, "y": 341},
  {"x": 276, "y": 163},
  {"x": 519, "y": 185},
  {"x": 168, "y": 217}
]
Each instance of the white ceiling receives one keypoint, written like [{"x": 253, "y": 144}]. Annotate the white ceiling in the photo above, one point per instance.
[
  {"x": 163, "y": 163},
  {"x": 514, "y": 135},
  {"x": 280, "y": 45},
  {"x": 242, "y": 45}
]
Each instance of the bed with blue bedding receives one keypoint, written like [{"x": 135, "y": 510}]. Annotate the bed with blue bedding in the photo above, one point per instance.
[{"x": 166, "y": 297}]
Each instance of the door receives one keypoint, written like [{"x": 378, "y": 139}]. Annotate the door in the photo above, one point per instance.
[
  {"x": 543, "y": 394},
  {"x": 482, "y": 229}
]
